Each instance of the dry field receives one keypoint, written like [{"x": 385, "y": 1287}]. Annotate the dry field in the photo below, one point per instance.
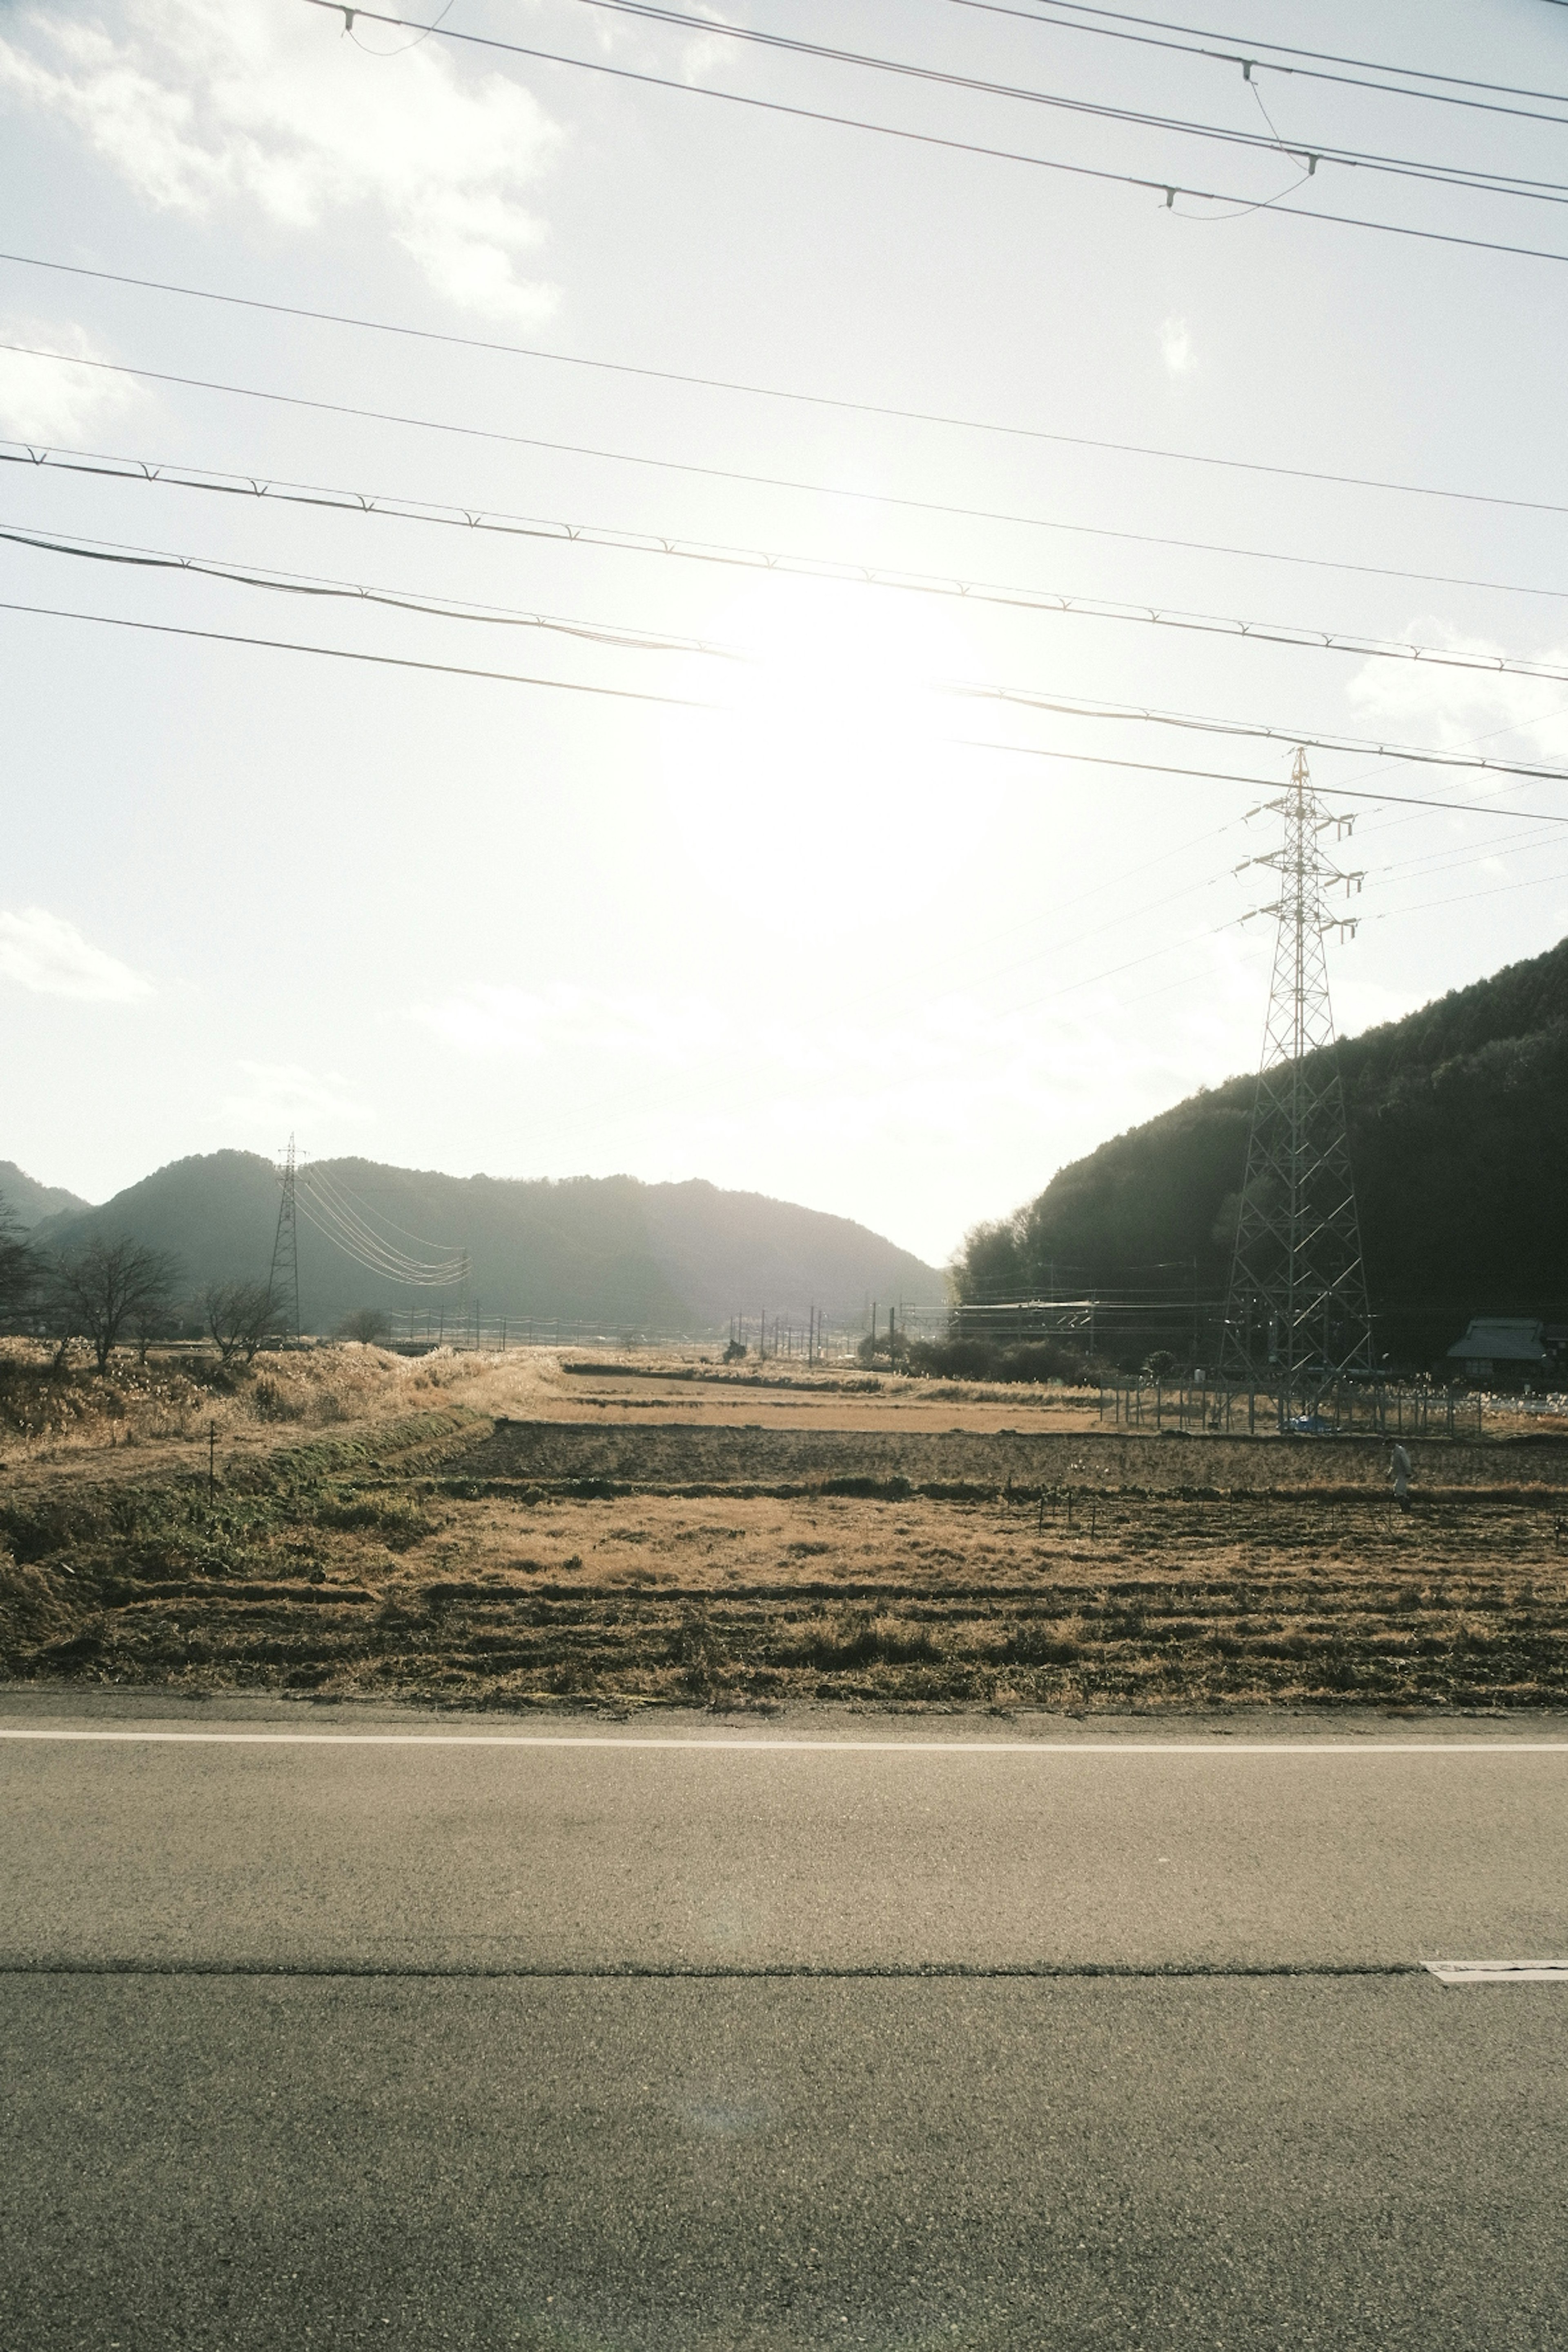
[{"x": 505, "y": 1532}]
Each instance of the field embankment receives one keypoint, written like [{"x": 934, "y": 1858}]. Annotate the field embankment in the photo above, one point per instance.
[{"x": 474, "y": 1540}]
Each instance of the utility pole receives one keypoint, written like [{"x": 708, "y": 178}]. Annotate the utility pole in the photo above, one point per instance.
[
  {"x": 286, "y": 1242},
  {"x": 1296, "y": 1315}
]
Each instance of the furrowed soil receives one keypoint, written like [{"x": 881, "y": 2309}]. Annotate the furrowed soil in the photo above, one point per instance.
[{"x": 508, "y": 1532}]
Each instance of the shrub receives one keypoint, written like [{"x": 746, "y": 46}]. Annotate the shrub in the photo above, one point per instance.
[
  {"x": 367, "y": 1324},
  {"x": 987, "y": 1359}
]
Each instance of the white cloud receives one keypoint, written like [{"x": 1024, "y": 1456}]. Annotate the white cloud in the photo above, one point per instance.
[
  {"x": 1490, "y": 711},
  {"x": 48, "y": 400},
  {"x": 44, "y": 953},
  {"x": 272, "y": 1095},
  {"x": 702, "y": 56},
  {"x": 1176, "y": 347},
  {"x": 198, "y": 107}
]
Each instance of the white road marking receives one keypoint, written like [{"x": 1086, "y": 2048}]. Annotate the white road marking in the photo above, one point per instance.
[
  {"x": 744, "y": 1745},
  {"x": 1469, "y": 1972}
]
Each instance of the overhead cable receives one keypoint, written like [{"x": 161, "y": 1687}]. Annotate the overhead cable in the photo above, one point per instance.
[
  {"x": 597, "y": 633},
  {"x": 160, "y": 475},
  {"x": 351, "y": 1228},
  {"x": 1270, "y": 57},
  {"x": 1167, "y": 189},
  {"x": 437, "y": 1256},
  {"x": 1060, "y": 604},
  {"x": 1263, "y": 783},
  {"x": 1256, "y": 731},
  {"x": 448, "y": 1250},
  {"x": 1360, "y": 747},
  {"x": 1312, "y": 152},
  {"x": 334, "y": 1215},
  {"x": 752, "y": 391},
  {"x": 351, "y": 654},
  {"x": 392, "y": 1270}
]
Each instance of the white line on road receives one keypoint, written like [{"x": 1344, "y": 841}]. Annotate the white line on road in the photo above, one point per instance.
[
  {"x": 744, "y": 1745},
  {"x": 1469, "y": 1972}
]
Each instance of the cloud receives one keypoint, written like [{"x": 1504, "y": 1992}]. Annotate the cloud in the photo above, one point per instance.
[
  {"x": 1176, "y": 347},
  {"x": 280, "y": 1093},
  {"x": 700, "y": 56},
  {"x": 1493, "y": 712},
  {"x": 44, "y": 953},
  {"x": 47, "y": 400},
  {"x": 198, "y": 107}
]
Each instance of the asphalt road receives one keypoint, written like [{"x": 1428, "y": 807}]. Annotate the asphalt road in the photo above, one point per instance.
[{"x": 404, "y": 2042}]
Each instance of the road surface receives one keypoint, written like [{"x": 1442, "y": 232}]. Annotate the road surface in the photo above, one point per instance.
[{"x": 338, "y": 2027}]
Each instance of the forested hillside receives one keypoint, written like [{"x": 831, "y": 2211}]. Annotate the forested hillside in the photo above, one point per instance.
[
  {"x": 606, "y": 1250},
  {"x": 30, "y": 1201},
  {"x": 1458, "y": 1131}
]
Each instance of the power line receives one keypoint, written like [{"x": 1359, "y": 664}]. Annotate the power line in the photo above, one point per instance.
[
  {"x": 1268, "y": 783},
  {"x": 344, "y": 653},
  {"x": 1268, "y": 55},
  {"x": 160, "y": 475},
  {"x": 1120, "y": 713},
  {"x": 1168, "y": 189},
  {"x": 1310, "y": 152},
  {"x": 331, "y": 1211},
  {"x": 1060, "y": 604},
  {"x": 352, "y": 591},
  {"x": 627, "y": 457},
  {"x": 1064, "y": 603},
  {"x": 752, "y": 391},
  {"x": 1256, "y": 731}
]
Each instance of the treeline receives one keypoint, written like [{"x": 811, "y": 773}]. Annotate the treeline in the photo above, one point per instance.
[
  {"x": 1457, "y": 1118},
  {"x": 111, "y": 1293},
  {"x": 608, "y": 1250}
]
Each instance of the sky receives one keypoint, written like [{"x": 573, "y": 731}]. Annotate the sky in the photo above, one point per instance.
[{"x": 743, "y": 867}]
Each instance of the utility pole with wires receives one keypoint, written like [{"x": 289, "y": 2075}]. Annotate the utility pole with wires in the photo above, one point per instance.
[
  {"x": 1296, "y": 1315},
  {"x": 285, "y": 1264}
]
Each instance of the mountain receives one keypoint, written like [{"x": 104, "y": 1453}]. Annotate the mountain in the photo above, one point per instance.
[
  {"x": 606, "y": 1251},
  {"x": 1457, "y": 1118},
  {"x": 31, "y": 1202}
]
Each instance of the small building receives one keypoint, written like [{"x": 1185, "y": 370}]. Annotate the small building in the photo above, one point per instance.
[{"x": 1504, "y": 1351}]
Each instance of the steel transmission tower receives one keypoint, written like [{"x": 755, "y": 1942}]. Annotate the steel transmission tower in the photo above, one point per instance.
[
  {"x": 285, "y": 1271},
  {"x": 1295, "y": 1315}
]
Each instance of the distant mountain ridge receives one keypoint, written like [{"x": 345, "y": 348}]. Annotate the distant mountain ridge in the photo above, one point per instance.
[
  {"x": 1457, "y": 1119},
  {"x": 31, "y": 1202},
  {"x": 605, "y": 1250}
]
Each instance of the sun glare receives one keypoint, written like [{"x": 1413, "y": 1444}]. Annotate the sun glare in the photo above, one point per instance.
[
  {"x": 831, "y": 742},
  {"x": 831, "y": 739}
]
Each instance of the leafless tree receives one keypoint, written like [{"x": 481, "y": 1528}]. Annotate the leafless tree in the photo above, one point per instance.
[
  {"x": 155, "y": 1321},
  {"x": 240, "y": 1315},
  {"x": 107, "y": 1287},
  {"x": 367, "y": 1323}
]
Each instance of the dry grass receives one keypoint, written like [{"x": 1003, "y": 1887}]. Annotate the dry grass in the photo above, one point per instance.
[
  {"x": 56, "y": 1409},
  {"x": 406, "y": 1551}
]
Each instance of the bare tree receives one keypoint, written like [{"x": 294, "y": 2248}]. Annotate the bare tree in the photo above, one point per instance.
[
  {"x": 20, "y": 1273},
  {"x": 154, "y": 1319},
  {"x": 367, "y": 1323},
  {"x": 105, "y": 1287},
  {"x": 240, "y": 1315}
]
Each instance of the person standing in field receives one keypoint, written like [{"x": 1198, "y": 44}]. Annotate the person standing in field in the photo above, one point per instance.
[{"x": 1399, "y": 1475}]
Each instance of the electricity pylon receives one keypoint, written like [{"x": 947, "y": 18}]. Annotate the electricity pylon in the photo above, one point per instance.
[
  {"x": 1295, "y": 1315},
  {"x": 286, "y": 1243}
]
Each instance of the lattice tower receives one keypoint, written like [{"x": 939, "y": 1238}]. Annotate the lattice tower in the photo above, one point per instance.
[
  {"x": 1297, "y": 1315},
  {"x": 283, "y": 1280}
]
